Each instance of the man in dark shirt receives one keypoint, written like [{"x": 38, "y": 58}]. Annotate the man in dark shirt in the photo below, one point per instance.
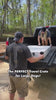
[
  {"x": 45, "y": 35},
  {"x": 18, "y": 55}
]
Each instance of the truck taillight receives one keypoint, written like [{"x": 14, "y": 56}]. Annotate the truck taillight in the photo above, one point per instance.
[
  {"x": 7, "y": 43},
  {"x": 47, "y": 26}
]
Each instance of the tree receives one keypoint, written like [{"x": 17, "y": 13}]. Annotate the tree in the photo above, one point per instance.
[
  {"x": 28, "y": 18},
  {"x": 53, "y": 10},
  {"x": 18, "y": 16},
  {"x": 5, "y": 6}
]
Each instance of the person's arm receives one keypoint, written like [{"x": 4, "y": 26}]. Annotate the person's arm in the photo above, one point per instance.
[
  {"x": 49, "y": 38},
  {"x": 39, "y": 40},
  {"x": 6, "y": 54},
  {"x": 35, "y": 59},
  {"x": 30, "y": 58},
  {"x": 50, "y": 41},
  {"x": 39, "y": 37}
]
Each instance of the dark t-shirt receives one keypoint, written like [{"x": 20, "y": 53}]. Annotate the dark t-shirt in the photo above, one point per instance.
[
  {"x": 48, "y": 33},
  {"x": 18, "y": 54}
]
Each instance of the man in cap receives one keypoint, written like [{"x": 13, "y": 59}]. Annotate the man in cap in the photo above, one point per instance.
[
  {"x": 18, "y": 55},
  {"x": 44, "y": 35}
]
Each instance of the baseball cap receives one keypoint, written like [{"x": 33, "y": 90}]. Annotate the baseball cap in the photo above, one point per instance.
[{"x": 18, "y": 35}]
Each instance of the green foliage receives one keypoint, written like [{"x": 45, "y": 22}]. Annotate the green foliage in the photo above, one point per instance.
[{"x": 42, "y": 13}]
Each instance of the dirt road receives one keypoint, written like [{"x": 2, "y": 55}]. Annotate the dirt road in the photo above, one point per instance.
[
  {"x": 43, "y": 88},
  {"x": 2, "y": 46}
]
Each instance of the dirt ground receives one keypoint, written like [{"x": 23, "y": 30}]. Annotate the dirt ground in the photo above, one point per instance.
[
  {"x": 42, "y": 88},
  {"x": 2, "y": 47}
]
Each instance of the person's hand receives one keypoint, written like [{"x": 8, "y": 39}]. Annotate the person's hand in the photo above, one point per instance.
[
  {"x": 0, "y": 61},
  {"x": 41, "y": 56},
  {"x": 39, "y": 44},
  {"x": 50, "y": 45},
  {"x": 6, "y": 57}
]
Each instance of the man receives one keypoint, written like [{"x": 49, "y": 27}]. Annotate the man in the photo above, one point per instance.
[
  {"x": 44, "y": 35},
  {"x": 18, "y": 55}
]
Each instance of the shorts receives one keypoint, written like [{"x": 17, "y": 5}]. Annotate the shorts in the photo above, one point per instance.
[{"x": 19, "y": 84}]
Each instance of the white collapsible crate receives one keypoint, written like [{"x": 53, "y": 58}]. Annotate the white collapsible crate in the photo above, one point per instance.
[{"x": 36, "y": 50}]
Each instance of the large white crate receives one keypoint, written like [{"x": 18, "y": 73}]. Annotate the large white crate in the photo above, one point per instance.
[{"x": 36, "y": 50}]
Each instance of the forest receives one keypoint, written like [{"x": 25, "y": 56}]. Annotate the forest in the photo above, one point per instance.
[{"x": 26, "y": 15}]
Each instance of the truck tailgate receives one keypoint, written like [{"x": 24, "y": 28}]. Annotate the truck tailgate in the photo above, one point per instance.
[{"x": 48, "y": 61}]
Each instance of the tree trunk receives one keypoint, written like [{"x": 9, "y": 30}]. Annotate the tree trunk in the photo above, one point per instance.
[
  {"x": 53, "y": 11},
  {"x": 29, "y": 31},
  {"x": 21, "y": 12},
  {"x": 4, "y": 16}
]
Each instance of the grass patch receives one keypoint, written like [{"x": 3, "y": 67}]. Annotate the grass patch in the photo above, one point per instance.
[
  {"x": 7, "y": 35},
  {"x": 11, "y": 35}
]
